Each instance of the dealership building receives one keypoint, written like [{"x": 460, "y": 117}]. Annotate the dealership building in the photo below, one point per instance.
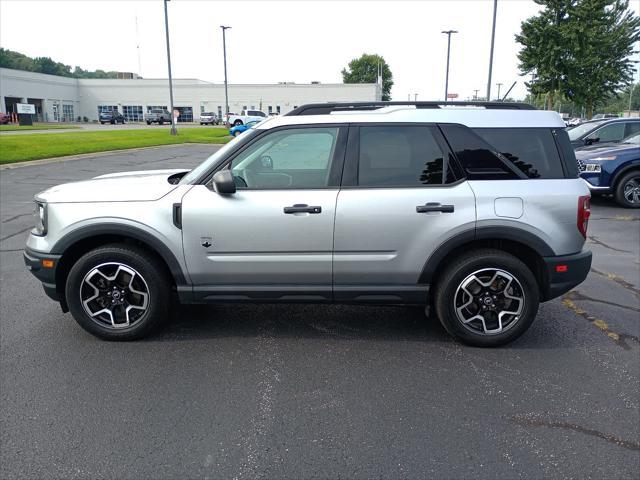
[{"x": 63, "y": 99}]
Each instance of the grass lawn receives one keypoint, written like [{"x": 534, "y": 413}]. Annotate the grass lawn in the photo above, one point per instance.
[
  {"x": 18, "y": 148},
  {"x": 36, "y": 126}
]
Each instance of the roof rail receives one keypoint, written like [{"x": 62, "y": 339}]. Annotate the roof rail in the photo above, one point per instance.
[{"x": 326, "y": 108}]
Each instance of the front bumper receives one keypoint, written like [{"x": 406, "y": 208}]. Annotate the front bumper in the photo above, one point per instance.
[
  {"x": 47, "y": 275},
  {"x": 565, "y": 272}
]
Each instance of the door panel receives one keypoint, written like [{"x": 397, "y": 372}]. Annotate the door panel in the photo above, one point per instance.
[
  {"x": 381, "y": 238},
  {"x": 253, "y": 241}
]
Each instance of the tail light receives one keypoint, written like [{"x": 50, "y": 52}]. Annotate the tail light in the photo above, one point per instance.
[{"x": 584, "y": 212}]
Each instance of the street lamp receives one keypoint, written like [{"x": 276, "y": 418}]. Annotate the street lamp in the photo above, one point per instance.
[
  {"x": 446, "y": 82},
  {"x": 226, "y": 93},
  {"x": 499, "y": 85},
  {"x": 493, "y": 38},
  {"x": 166, "y": 28}
]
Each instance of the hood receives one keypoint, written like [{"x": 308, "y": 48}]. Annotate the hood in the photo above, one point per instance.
[
  {"x": 139, "y": 186},
  {"x": 604, "y": 149}
]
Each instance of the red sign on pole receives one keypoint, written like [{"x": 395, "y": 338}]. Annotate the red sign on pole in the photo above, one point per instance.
[{"x": 452, "y": 95}]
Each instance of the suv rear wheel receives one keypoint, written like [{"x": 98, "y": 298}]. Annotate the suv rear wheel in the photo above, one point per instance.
[
  {"x": 627, "y": 192},
  {"x": 486, "y": 298},
  {"x": 118, "y": 292}
]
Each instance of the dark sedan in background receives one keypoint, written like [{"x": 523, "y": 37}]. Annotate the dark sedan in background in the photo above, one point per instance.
[{"x": 613, "y": 168}]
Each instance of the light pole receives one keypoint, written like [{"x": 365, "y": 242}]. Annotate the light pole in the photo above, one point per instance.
[
  {"x": 226, "y": 93},
  {"x": 166, "y": 28},
  {"x": 493, "y": 38},
  {"x": 475, "y": 94},
  {"x": 499, "y": 85},
  {"x": 415, "y": 97},
  {"x": 446, "y": 81}
]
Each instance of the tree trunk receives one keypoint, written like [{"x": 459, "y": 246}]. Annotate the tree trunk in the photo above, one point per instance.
[{"x": 589, "y": 112}]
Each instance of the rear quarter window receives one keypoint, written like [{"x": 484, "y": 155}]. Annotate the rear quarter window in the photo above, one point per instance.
[{"x": 533, "y": 151}]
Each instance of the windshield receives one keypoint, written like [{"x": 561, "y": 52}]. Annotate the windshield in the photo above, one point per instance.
[
  {"x": 579, "y": 130},
  {"x": 218, "y": 156}
]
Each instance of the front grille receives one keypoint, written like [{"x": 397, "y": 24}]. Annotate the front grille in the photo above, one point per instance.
[{"x": 581, "y": 166}]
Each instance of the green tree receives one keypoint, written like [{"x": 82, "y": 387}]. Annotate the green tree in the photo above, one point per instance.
[
  {"x": 601, "y": 40},
  {"x": 544, "y": 52},
  {"x": 365, "y": 70},
  {"x": 579, "y": 49}
]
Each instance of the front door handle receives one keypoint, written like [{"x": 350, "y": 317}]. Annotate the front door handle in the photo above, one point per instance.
[
  {"x": 302, "y": 208},
  {"x": 434, "y": 207}
]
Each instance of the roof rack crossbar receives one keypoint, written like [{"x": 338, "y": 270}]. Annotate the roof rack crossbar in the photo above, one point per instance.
[{"x": 326, "y": 108}]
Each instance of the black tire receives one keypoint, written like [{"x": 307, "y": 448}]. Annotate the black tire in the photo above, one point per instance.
[
  {"x": 101, "y": 123},
  {"x": 160, "y": 122},
  {"x": 236, "y": 133},
  {"x": 113, "y": 122},
  {"x": 148, "y": 123},
  {"x": 447, "y": 297},
  {"x": 237, "y": 122},
  {"x": 632, "y": 200},
  {"x": 153, "y": 277}
]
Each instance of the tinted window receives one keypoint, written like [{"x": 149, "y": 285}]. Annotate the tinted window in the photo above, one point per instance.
[
  {"x": 578, "y": 131},
  {"x": 399, "y": 156},
  {"x": 532, "y": 150},
  {"x": 614, "y": 132},
  {"x": 296, "y": 158},
  {"x": 479, "y": 160},
  {"x": 632, "y": 127}
]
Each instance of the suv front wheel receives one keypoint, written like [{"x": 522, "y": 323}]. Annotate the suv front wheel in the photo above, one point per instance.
[
  {"x": 118, "y": 292},
  {"x": 486, "y": 298}
]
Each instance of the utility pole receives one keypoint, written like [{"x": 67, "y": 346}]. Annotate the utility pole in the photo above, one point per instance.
[
  {"x": 499, "y": 85},
  {"x": 475, "y": 94},
  {"x": 166, "y": 28},
  {"x": 493, "y": 38},
  {"x": 415, "y": 97},
  {"x": 446, "y": 81},
  {"x": 226, "y": 92}
]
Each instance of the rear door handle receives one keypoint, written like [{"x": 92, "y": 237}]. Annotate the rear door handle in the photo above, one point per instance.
[
  {"x": 302, "y": 208},
  {"x": 434, "y": 207}
]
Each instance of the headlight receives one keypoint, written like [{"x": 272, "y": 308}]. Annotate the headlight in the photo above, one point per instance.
[
  {"x": 600, "y": 159},
  {"x": 592, "y": 167},
  {"x": 40, "y": 219}
]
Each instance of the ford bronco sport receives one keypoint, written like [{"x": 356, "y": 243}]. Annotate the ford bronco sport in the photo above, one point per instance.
[{"x": 475, "y": 211}]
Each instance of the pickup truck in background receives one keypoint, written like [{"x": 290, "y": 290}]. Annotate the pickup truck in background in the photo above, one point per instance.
[
  {"x": 246, "y": 116},
  {"x": 158, "y": 116}
]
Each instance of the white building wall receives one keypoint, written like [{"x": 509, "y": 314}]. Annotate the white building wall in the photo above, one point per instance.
[{"x": 87, "y": 94}]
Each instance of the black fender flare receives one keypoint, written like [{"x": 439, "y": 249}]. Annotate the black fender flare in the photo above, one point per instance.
[
  {"x": 531, "y": 240},
  {"x": 88, "y": 231}
]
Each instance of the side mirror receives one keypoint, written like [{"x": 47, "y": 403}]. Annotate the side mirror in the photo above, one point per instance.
[
  {"x": 223, "y": 182},
  {"x": 592, "y": 140}
]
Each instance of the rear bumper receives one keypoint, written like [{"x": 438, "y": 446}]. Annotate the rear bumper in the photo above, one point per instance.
[
  {"x": 565, "y": 272},
  {"x": 33, "y": 262}
]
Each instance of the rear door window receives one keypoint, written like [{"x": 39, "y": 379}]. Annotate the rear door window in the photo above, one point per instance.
[
  {"x": 533, "y": 151},
  {"x": 614, "y": 132},
  {"x": 400, "y": 156}
]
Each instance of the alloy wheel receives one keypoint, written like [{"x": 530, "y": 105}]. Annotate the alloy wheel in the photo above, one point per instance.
[
  {"x": 631, "y": 190},
  {"x": 489, "y": 301},
  {"x": 114, "y": 295}
]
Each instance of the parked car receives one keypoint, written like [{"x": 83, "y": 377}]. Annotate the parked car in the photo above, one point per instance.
[
  {"x": 157, "y": 115},
  {"x": 112, "y": 117},
  {"x": 613, "y": 168},
  {"x": 4, "y": 118},
  {"x": 246, "y": 116},
  {"x": 572, "y": 122},
  {"x": 238, "y": 129},
  {"x": 603, "y": 131},
  {"x": 392, "y": 205},
  {"x": 208, "y": 118}
]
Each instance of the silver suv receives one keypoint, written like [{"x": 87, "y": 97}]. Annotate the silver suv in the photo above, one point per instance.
[{"x": 474, "y": 211}]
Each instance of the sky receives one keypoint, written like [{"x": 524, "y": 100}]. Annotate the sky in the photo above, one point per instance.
[{"x": 276, "y": 41}]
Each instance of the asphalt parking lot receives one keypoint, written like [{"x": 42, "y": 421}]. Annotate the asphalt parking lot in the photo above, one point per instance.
[{"x": 241, "y": 391}]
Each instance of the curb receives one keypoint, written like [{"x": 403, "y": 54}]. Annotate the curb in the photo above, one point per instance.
[{"x": 45, "y": 161}]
